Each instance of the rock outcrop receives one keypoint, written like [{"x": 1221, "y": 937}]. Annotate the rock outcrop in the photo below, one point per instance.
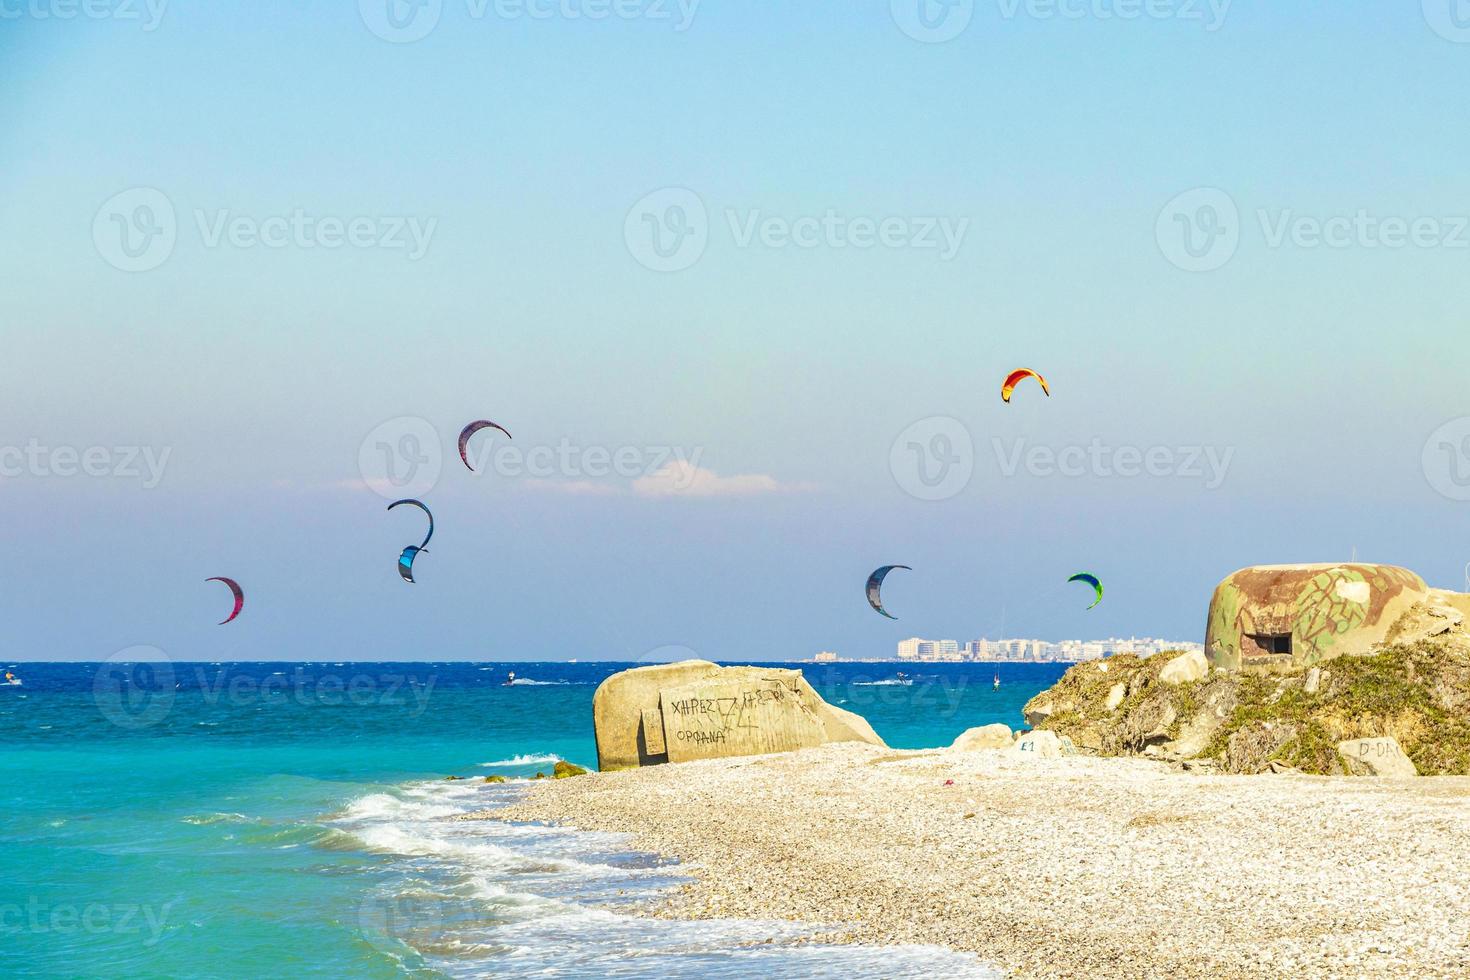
[
  {"x": 1403, "y": 710},
  {"x": 1185, "y": 669},
  {"x": 1330, "y": 669},
  {"x": 699, "y": 710},
  {"x": 984, "y": 737}
]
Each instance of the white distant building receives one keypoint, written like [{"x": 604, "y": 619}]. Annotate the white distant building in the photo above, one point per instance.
[
  {"x": 825, "y": 657},
  {"x": 979, "y": 650},
  {"x": 1035, "y": 651}
]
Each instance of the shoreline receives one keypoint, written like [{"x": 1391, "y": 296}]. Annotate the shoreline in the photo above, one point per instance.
[{"x": 1054, "y": 867}]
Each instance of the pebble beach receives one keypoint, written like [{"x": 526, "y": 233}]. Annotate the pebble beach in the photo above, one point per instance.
[{"x": 1069, "y": 867}]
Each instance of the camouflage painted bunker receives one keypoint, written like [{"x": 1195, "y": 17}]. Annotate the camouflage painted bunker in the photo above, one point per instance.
[{"x": 1299, "y": 615}]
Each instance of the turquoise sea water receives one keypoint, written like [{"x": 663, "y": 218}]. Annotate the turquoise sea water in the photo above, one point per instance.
[{"x": 203, "y": 820}]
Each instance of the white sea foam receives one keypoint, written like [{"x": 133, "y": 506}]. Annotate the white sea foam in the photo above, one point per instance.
[
  {"x": 386, "y": 806},
  {"x": 890, "y": 682},
  {"x": 534, "y": 759},
  {"x": 205, "y": 819},
  {"x": 485, "y": 898}
]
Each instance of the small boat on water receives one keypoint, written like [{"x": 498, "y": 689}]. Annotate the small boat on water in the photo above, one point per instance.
[
  {"x": 11, "y": 680},
  {"x": 997, "y": 681}
]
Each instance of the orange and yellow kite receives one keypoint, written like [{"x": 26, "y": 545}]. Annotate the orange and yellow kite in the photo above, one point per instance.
[{"x": 1015, "y": 378}]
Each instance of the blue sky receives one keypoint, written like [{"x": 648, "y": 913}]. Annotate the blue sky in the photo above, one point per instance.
[{"x": 1060, "y": 147}]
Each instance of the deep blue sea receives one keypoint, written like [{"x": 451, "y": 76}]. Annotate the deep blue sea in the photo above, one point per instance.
[{"x": 166, "y": 819}]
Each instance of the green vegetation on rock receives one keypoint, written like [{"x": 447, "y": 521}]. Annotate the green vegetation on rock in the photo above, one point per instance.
[
  {"x": 564, "y": 770},
  {"x": 1417, "y": 694}
]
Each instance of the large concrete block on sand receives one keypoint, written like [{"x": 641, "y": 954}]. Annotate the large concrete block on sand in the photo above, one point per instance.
[{"x": 699, "y": 710}]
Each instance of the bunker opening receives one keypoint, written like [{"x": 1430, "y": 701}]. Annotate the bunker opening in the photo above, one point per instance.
[{"x": 1267, "y": 645}]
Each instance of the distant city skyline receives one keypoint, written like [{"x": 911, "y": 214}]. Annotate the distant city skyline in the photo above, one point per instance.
[{"x": 1034, "y": 651}]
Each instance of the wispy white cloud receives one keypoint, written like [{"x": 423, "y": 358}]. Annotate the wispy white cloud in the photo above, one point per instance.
[
  {"x": 683, "y": 479},
  {"x": 572, "y": 488}
]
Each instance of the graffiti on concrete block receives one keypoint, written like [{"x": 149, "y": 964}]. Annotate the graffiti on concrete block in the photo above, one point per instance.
[{"x": 714, "y": 720}]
